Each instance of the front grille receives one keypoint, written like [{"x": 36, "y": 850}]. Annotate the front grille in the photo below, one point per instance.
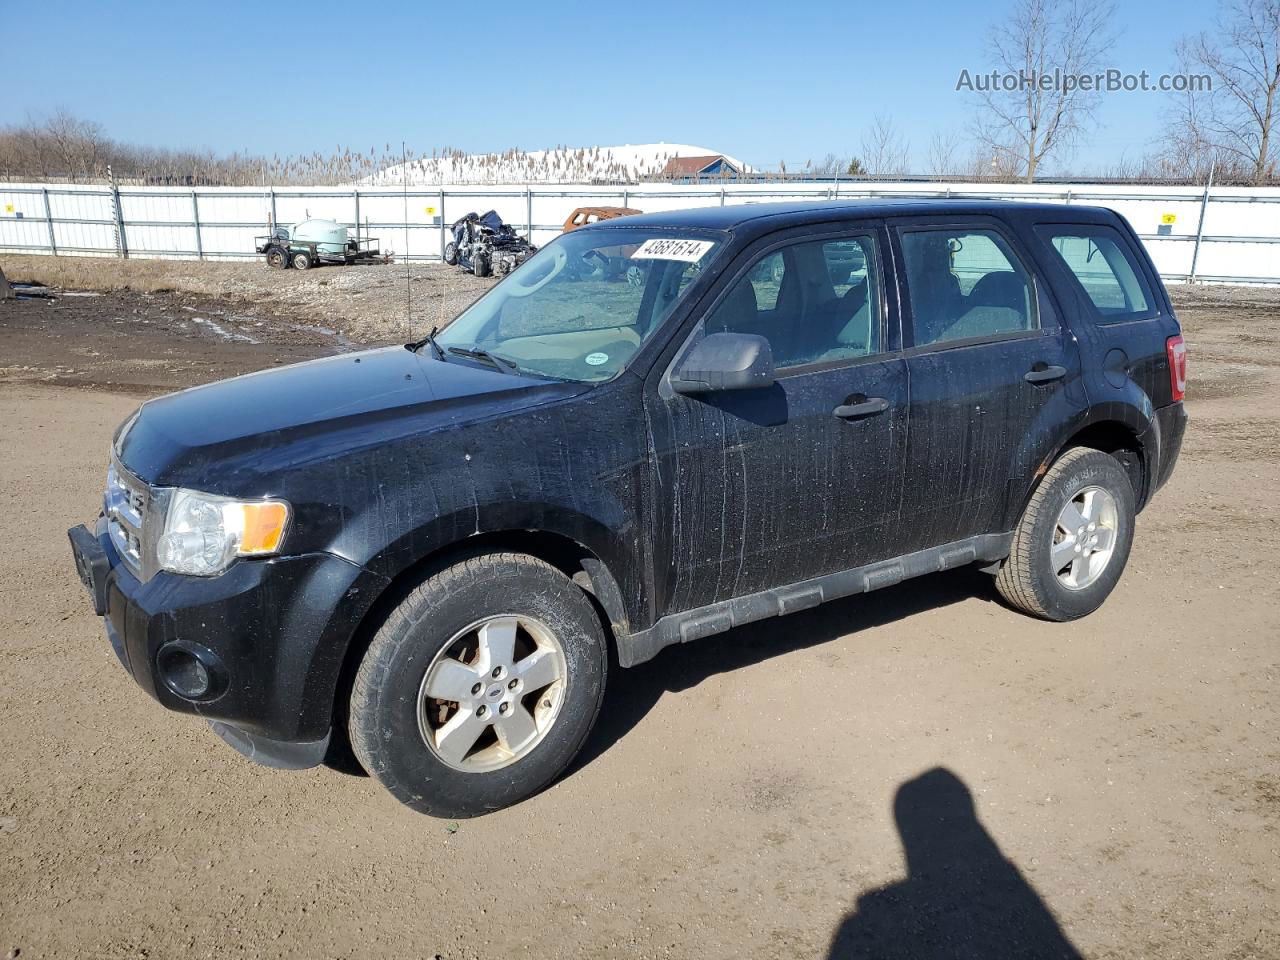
[{"x": 125, "y": 507}]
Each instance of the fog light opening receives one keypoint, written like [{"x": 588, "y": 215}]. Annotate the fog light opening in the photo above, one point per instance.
[{"x": 186, "y": 673}]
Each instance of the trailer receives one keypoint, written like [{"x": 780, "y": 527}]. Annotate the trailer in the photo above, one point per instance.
[{"x": 313, "y": 242}]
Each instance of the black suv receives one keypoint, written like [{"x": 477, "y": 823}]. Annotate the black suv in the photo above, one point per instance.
[{"x": 425, "y": 554}]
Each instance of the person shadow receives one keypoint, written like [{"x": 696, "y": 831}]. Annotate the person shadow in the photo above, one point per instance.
[{"x": 962, "y": 898}]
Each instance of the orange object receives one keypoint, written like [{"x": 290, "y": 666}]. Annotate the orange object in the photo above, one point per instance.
[
  {"x": 264, "y": 525},
  {"x": 585, "y": 215}
]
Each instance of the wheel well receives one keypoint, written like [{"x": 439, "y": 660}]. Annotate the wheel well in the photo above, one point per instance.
[
  {"x": 1113, "y": 437},
  {"x": 563, "y": 553}
]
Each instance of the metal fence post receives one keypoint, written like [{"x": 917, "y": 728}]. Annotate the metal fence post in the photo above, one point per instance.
[
  {"x": 722, "y": 196},
  {"x": 528, "y": 209},
  {"x": 48, "y": 219},
  {"x": 195, "y": 218},
  {"x": 441, "y": 213},
  {"x": 355, "y": 196},
  {"x": 1204, "y": 204},
  {"x": 122, "y": 241},
  {"x": 274, "y": 222}
]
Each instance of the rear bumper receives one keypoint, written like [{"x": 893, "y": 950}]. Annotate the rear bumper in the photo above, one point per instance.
[
  {"x": 270, "y": 636},
  {"x": 1171, "y": 421}
]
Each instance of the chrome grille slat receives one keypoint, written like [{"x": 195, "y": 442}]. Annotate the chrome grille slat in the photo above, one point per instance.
[{"x": 125, "y": 506}]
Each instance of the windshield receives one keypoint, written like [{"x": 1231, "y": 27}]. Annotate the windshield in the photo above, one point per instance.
[{"x": 581, "y": 307}]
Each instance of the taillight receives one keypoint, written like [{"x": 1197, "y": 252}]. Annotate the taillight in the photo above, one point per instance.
[{"x": 1177, "y": 352}]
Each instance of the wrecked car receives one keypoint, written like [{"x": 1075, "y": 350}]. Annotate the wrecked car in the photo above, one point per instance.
[
  {"x": 485, "y": 245},
  {"x": 428, "y": 556},
  {"x": 585, "y": 216}
]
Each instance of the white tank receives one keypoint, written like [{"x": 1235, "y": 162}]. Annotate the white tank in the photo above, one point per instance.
[{"x": 331, "y": 237}]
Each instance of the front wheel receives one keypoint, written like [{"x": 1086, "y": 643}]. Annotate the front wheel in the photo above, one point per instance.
[
  {"x": 1072, "y": 543},
  {"x": 302, "y": 260},
  {"x": 481, "y": 686},
  {"x": 451, "y": 253}
]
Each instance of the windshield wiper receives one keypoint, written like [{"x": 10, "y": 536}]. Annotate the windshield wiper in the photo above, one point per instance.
[
  {"x": 475, "y": 353},
  {"x": 430, "y": 338}
]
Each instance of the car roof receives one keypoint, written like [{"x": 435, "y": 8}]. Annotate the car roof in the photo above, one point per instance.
[{"x": 766, "y": 217}]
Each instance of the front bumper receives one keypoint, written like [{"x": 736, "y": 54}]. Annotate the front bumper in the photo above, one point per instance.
[{"x": 270, "y": 636}]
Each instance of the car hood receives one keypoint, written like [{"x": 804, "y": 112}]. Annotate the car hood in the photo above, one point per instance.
[{"x": 288, "y": 416}]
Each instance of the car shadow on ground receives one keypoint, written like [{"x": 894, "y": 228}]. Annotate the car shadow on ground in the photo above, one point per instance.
[
  {"x": 961, "y": 898},
  {"x": 631, "y": 693}
]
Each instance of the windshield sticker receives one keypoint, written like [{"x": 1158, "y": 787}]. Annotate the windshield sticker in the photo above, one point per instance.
[
  {"x": 667, "y": 248},
  {"x": 595, "y": 359}
]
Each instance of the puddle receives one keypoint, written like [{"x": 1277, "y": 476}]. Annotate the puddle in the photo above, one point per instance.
[{"x": 223, "y": 332}]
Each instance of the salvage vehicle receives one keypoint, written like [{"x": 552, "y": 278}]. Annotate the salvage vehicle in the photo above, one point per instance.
[
  {"x": 430, "y": 555},
  {"x": 585, "y": 216},
  {"x": 485, "y": 245}
]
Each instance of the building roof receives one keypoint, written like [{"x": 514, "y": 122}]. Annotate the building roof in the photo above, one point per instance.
[{"x": 692, "y": 166}]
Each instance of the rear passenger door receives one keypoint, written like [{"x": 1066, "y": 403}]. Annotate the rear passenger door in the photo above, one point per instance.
[
  {"x": 764, "y": 488},
  {"x": 993, "y": 376}
]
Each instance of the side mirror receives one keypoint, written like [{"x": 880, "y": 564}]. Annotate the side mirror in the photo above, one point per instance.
[{"x": 725, "y": 361}]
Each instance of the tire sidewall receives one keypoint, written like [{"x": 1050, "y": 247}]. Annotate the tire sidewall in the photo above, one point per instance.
[
  {"x": 1094, "y": 469},
  {"x": 396, "y": 753}
]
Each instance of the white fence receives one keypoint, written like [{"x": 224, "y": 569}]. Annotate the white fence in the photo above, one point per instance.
[{"x": 1227, "y": 235}]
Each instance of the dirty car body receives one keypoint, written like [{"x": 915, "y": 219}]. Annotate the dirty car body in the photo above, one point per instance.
[{"x": 720, "y": 444}]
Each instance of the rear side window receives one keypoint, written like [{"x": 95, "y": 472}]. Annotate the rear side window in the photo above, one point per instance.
[
  {"x": 965, "y": 283},
  {"x": 1100, "y": 259}
]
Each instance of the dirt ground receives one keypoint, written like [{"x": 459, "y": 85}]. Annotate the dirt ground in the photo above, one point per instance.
[
  {"x": 919, "y": 772},
  {"x": 373, "y": 303}
]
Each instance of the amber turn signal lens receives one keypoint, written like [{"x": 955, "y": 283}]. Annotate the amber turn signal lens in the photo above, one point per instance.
[{"x": 264, "y": 525}]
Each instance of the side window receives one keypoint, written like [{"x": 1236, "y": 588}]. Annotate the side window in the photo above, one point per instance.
[
  {"x": 965, "y": 283},
  {"x": 1103, "y": 264},
  {"x": 766, "y": 280},
  {"x": 814, "y": 302}
]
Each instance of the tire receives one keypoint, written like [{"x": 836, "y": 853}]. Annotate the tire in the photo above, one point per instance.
[
  {"x": 277, "y": 258},
  {"x": 302, "y": 260},
  {"x": 427, "y": 639},
  {"x": 480, "y": 264},
  {"x": 1030, "y": 580},
  {"x": 451, "y": 253}
]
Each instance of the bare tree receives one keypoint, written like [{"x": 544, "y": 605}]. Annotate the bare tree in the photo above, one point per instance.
[
  {"x": 1023, "y": 121},
  {"x": 831, "y": 166},
  {"x": 1236, "y": 124},
  {"x": 884, "y": 151},
  {"x": 940, "y": 161}
]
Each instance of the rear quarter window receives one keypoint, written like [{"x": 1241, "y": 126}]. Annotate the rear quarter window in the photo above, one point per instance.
[{"x": 1101, "y": 261}]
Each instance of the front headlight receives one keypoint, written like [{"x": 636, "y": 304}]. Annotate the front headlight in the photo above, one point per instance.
[{"x": 204, "y": 533}]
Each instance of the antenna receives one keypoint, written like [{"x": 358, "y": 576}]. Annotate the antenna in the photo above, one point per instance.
[{"x": 408, "y": 288}]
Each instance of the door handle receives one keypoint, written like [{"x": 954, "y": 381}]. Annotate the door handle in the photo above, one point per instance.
[
  {"x": 863, "y": 408},
  {"x": 1042, "y": 373}
]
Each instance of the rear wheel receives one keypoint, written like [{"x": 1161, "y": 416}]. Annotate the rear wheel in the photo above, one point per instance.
[
  {"x": 481, "y": 686},
  {"x": 277, "y": 258},
  {"x": 1073, "y": 541},
  {"x": 451, "y": 254},
  {"x": 302, "y": 260}
]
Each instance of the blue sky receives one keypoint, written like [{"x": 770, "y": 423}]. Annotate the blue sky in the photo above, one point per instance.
[{"x": 764, "y": 81}]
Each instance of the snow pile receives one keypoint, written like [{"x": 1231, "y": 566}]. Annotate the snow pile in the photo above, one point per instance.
[{"x": 625, "y": 164}]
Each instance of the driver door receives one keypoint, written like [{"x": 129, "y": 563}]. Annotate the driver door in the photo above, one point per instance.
[{"x": 757, "y": 489}]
